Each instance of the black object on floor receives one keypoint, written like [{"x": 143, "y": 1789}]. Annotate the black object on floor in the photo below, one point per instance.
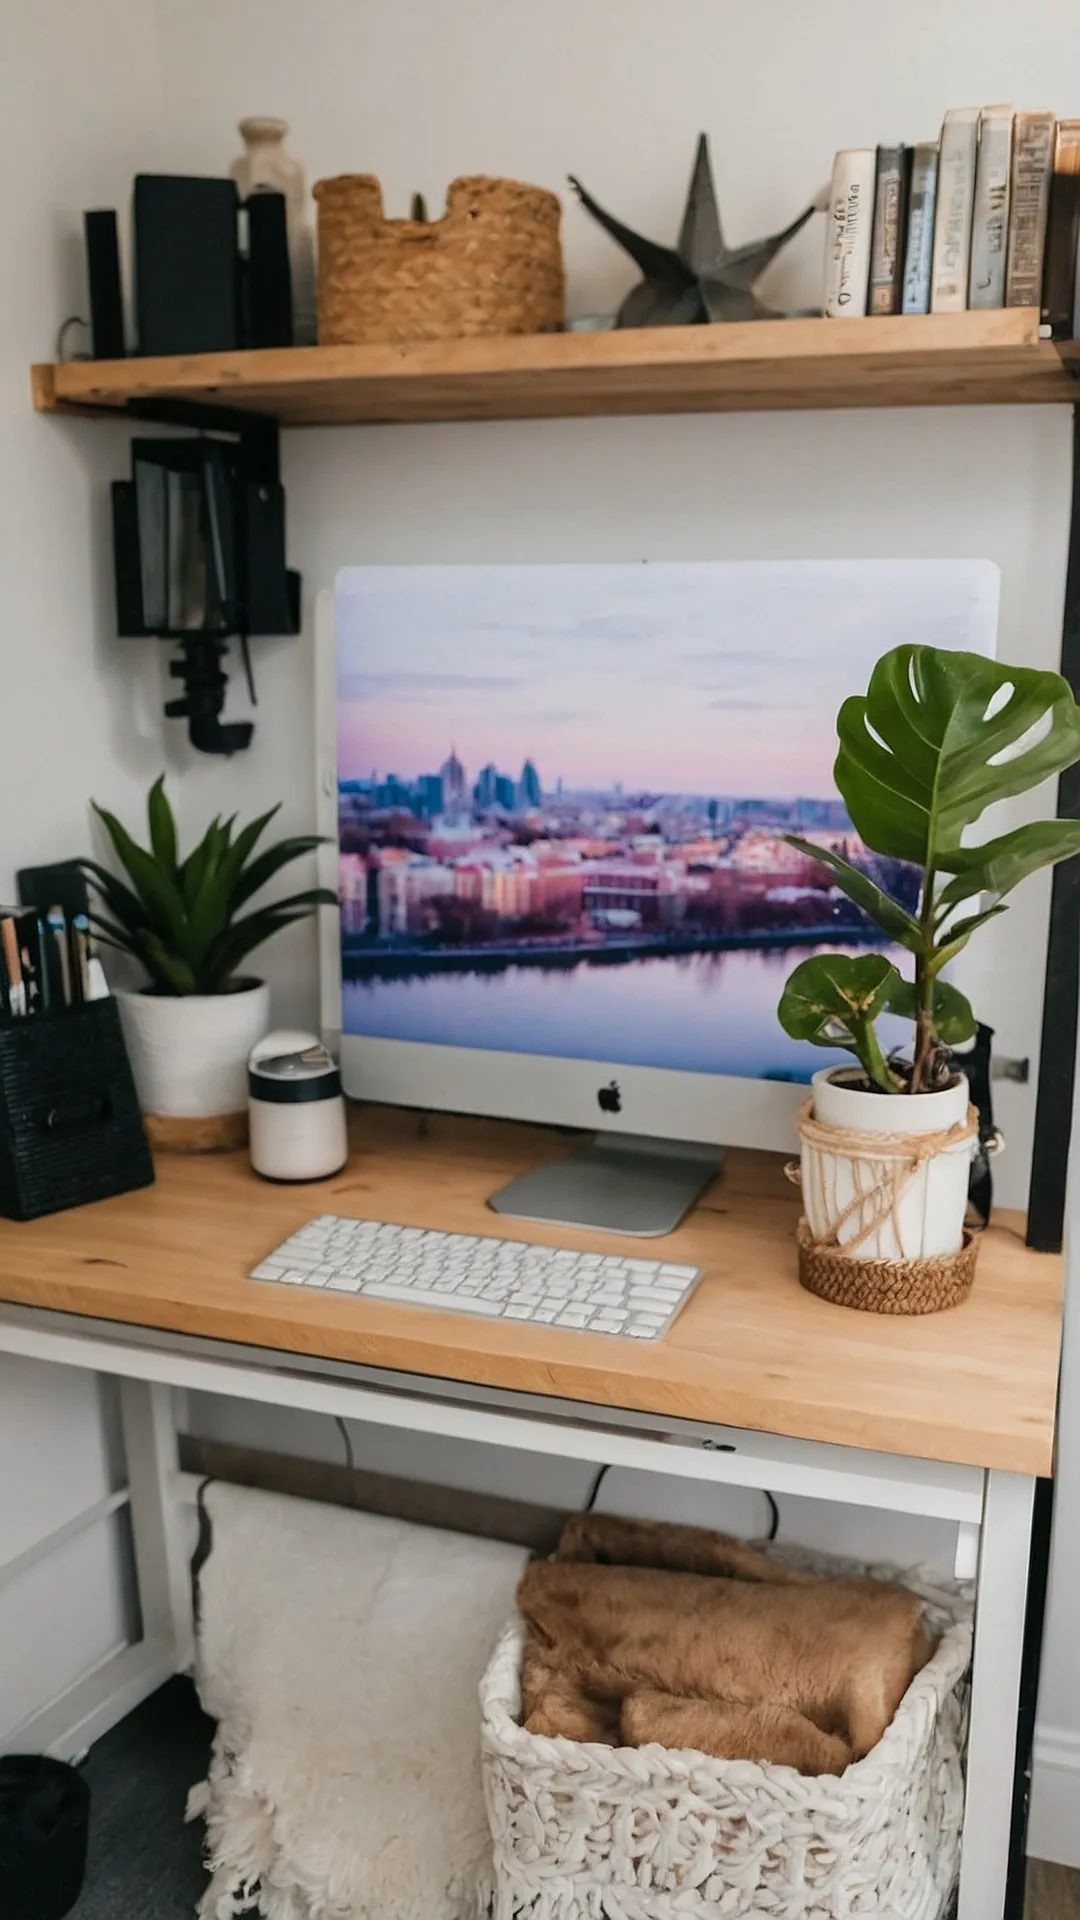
[
  {"x": 144, "y": 1862},
  {"x": 44, "y": 1811}
]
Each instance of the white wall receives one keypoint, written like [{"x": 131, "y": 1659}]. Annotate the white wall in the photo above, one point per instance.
[{"x": 418, "y": 91}]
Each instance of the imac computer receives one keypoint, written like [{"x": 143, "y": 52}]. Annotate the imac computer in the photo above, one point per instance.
[{"x": 555, "y": 801}]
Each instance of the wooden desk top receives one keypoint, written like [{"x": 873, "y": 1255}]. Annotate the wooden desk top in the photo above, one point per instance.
[{"x": 977, "y": 1385}]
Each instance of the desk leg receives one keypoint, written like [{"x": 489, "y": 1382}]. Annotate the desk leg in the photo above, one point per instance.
[
  {"x": 162, "y": 1559},
  {"x": 1000, "y": 1610}
]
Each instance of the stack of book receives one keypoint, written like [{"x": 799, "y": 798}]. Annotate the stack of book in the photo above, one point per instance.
[{"x": 986, "y": 216}]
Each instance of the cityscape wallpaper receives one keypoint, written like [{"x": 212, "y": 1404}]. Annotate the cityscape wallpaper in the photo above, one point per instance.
[{"x": 564, "y": 790}]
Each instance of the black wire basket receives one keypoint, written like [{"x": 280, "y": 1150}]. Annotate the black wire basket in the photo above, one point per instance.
[{"x": 70, "y": 1127}]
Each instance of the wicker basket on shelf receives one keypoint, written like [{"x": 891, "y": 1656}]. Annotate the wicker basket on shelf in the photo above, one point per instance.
[{"x": 491, "y": 265}]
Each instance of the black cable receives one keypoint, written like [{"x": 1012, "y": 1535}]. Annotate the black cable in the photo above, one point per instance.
[
  {"x": 350, "y": 1458},
  {"x": 596, "y": 1486},
  {"x": 774, "y": 1510}
]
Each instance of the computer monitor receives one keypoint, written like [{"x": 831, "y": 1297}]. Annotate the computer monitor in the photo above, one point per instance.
[{"x": 556, "y": 798}]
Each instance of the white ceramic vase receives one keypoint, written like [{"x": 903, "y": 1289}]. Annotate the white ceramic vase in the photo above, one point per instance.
[
  {"x": 928, "y": 1218},
  {"x": 264, "y": 166},
  {"x": 189, "y": 1053}
]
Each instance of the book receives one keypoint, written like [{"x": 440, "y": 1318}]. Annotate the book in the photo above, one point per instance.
[
  {"x": 887, "y": 244},
  {"x": 1062, "y": 232},
  {"x": 919, "y": 245},
  {"x": 955, "y": 202},
  {"x": 1032, "y": 158},
  {"x": 990, "y": 215},
  {"x": 849, "y": 231}
]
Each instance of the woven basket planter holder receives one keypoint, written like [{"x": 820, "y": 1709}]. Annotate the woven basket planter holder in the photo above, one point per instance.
[
  {"x": 492, "y": 265},
  {"x": 834, "y": 1272}
]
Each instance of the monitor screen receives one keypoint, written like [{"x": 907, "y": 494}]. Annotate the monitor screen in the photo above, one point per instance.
[{"x": 563, "y": 795}]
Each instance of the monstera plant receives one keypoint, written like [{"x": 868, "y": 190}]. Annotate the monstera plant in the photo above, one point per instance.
[{"x": 937, "y": 739}]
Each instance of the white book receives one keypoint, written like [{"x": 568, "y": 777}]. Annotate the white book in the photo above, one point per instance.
[
  {"x": 850, "y": 231},
  {"x": 955, "y": 203},
  {"x": 990, "y": 216}
]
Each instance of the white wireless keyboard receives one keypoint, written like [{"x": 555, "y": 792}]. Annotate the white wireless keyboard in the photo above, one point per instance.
[{"x": 494, "y": 1279}]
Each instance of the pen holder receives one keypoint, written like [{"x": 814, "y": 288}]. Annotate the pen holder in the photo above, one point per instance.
[{"x": 70, "y": 1128}]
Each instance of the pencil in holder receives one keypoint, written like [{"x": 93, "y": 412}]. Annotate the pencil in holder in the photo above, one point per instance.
[{"x": 70, "y": 1127}]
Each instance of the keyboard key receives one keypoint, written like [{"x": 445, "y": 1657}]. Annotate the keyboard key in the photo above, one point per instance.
[{"x": 445, "y": 1302}]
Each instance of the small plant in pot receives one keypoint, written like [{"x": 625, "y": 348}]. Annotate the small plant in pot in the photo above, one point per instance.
[
  {"x": 886, "y": 1144},
  {"x": 186, "y": 920}
]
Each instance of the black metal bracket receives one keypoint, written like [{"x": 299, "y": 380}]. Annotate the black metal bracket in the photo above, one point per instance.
[
  {"x": 1057, "y": 1049},
  {"x": 265, "y": 594}
]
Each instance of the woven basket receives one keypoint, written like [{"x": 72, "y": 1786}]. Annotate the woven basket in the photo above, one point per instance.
[
  {"x": 492, "y": 264},
  {"x": 886, "y": 1286},
  {"x": 588, "y": 1832}
]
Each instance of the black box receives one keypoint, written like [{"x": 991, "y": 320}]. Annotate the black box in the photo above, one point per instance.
[
  {"x": 187, "y": 264},
  {"x": 70, "y": 1127}
]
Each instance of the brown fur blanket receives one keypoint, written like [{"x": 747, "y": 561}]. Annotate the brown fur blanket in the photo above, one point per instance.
[{"x": 641, "y": 1632}]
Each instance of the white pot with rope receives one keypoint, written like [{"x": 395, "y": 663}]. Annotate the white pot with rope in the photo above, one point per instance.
[{"x": 885, "y": 1175}]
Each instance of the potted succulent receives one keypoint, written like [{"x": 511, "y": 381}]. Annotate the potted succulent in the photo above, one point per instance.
[
  {"x": 937, "y": 739},
  {"x": 190, "y": 1029}
]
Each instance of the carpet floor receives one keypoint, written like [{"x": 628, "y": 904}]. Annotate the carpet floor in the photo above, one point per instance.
[{"x": 144, "y": 1863}]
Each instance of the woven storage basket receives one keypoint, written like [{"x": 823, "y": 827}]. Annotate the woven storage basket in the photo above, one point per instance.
[
  {"x": 588, "y": 1832},
  {"x": 491, "y": 265}
]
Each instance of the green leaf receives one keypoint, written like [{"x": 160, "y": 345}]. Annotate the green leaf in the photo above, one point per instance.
[
  {"x": 954, "y": 938},
  {"x": 156, "y": 889},
  {"x": 954, "y": 1021},
  {"x": 243, "y": 847},
  {"x": 263, "y": 869},
  {"x": 162, "y": 826},
  {"x": 999, "y": 865},
  {"x": 886, "y": 912},
  {"x": 165, "y": 967},
  {"x": 124, "y": 905},
  {"x": 223, "y": 960},
  {"x": 833, "y": 999},
  {"x": 920, "y": 753}
]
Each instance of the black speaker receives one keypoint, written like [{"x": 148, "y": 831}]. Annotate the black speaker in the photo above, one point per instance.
[
  {"x": 187, "y": 264},
  {"x": 103, "y": 276},
  {"x": 269, "y": 276}
]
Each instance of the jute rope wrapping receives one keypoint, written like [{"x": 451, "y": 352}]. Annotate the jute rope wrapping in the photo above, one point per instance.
[
  {"x": 883, "y": 1168},
  {"x": 492, "y": 265},
  {"x": 587, "y": 1832}
]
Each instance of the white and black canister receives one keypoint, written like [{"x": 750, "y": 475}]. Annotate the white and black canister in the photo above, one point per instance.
[{"x": 296, "y": 1108}]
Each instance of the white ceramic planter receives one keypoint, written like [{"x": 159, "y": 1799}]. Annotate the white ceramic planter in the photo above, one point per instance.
[
  {"x": 929, "y": 1217},
  {"x": 189, "y": 1054}
]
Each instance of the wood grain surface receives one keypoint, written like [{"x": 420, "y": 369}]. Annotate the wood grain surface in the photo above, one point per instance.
[
  {"x": 942, "y": 359},
  {"x": 976, "y": 1385}
]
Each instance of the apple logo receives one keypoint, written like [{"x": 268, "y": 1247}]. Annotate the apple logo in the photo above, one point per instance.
[{"x": 609, "y": 1099}]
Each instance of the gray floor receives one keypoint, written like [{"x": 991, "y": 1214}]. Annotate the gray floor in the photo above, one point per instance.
[{"x": 144, "y": 1863}]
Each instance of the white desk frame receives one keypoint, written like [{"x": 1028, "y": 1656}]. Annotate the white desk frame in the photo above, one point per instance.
[{"x": 992, "y": 1512}]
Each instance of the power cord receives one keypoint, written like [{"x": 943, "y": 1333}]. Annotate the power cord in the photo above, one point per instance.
[
  {"x": 350, "y": 1458},
  {"x": 596, "y": 1486},
  {"x": 774, "y": 1524}
]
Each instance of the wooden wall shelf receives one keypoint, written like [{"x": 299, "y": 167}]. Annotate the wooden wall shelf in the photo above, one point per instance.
[{"x": 948, "y": 359}]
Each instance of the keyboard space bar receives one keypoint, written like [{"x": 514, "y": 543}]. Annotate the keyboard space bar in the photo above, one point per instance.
[{"x": 444, "y": 1302}]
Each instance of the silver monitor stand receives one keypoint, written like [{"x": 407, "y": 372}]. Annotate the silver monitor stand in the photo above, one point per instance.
[{"x": 620, "y": 1183}]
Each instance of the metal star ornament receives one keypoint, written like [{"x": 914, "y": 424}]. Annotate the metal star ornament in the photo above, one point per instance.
[{"x": 701, "y": 279}]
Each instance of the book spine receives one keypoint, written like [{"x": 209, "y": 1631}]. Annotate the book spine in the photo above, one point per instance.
[
  {"x": 850, "y": 230},
  {"x": 1062, "y": 230},
  {"x": 919, "y": 251},
  {"x": 990, "y": 218},
  {"x": 955, "y": 200},
  {"x": 887, "y": 245},
  {"x": 1033, "y": 140}
]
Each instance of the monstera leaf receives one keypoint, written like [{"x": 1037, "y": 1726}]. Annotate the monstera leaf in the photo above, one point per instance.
[
  {"x": 936, "y": 739},
  {"x": 833, "y": 999}
]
